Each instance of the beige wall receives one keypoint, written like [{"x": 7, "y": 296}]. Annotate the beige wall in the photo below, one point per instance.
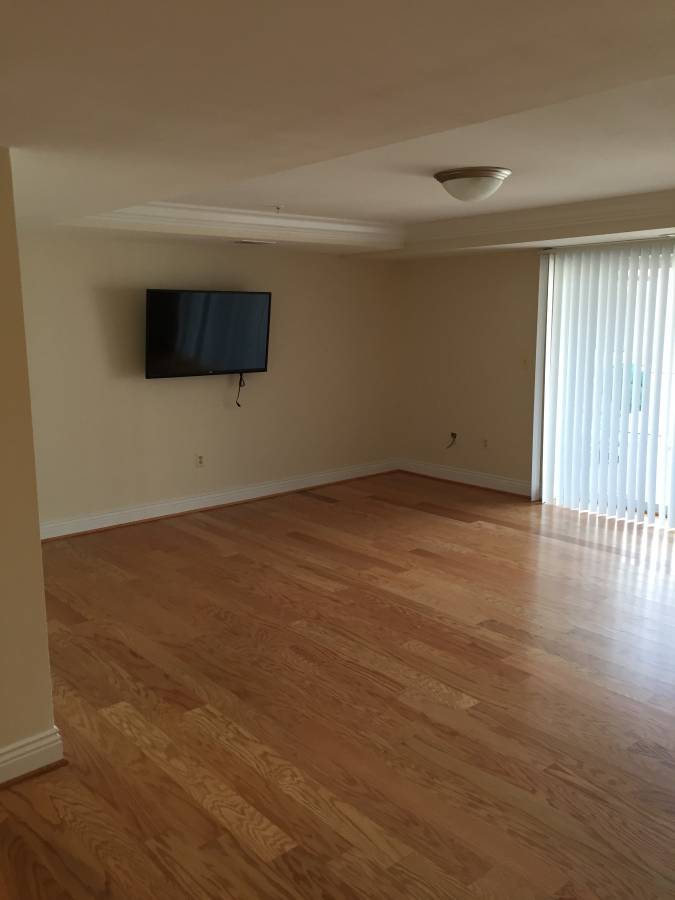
[
  {"x": 106, "y": 438},
  {"x": 369, "y": 360},
  {"x": 468, "y": 325},
  {"x": 25, "y": 685}
]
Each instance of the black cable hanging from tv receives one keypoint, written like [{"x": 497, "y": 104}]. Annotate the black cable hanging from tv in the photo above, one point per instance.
[{"x": 242, "y": 384}]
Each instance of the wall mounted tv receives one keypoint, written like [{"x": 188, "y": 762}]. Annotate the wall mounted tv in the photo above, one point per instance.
[{"x": 206, "y": 332}]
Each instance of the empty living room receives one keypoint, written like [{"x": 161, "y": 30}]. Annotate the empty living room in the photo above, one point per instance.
[{"x": 337, "y": 470}]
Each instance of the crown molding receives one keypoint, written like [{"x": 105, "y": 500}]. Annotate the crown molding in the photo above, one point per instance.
[
  {"x": 244, "y": 224},
  {"x": 609, "y": 218},
  {"x": 540, "y": 226}
]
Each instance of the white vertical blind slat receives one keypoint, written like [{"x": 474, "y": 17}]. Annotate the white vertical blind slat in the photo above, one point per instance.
[
  {"x": 626, "y": 379},
  {"x": 574, "y": 351},
  {"x": 563, "y": 389},
  {"x": 668, "y": 454},
  {"x": 565, "y": 402},
  {"x": 561, "y": 364},
  {"x": 635, "y": 460},
  {"x": 655, "y": 374},
  {"x": 589, "y": 307},
  {"x": 646, "y": 420},
  {"x": 607, "y": 372},
  {"x": 617, "y": 382},
  {"x": 553, "y": 320},
  {"x": 579, "y": 358},
  {"x": 600, "y": 344}
]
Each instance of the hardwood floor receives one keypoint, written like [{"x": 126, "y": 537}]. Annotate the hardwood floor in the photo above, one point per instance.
[{"x": 389, "y": 688}]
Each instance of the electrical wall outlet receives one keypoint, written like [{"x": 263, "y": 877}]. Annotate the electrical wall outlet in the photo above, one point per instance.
[{"x": 199, "y": 460}]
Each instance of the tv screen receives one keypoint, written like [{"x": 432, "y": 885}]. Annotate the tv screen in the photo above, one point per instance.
[{"x": 205, "y": 332}]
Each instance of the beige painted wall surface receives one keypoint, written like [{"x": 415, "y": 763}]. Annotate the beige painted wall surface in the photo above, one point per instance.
[
  {"x": 107, "y": 439},
  {"x": 25, "y": 683},
  {"x": 467, "y": 361}
]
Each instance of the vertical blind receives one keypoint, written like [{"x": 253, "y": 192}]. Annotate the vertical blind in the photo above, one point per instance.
[{"x": 609, "y": 392}]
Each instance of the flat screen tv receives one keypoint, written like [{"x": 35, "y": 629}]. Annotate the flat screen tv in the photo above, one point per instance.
[{"x": 206, "y": 332}]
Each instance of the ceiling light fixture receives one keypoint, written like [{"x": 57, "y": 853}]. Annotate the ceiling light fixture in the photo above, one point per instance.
[{"x": 473, "y": 182}]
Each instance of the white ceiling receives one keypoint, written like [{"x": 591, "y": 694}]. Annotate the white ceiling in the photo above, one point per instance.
[
  {"x": 616, "y": 142},
  {"x": 252, "y": 104}
]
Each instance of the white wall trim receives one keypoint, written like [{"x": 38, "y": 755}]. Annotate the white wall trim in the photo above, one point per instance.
[
  {"x": 466, "y": 476},
  {"x": 124, "y": 516},
  {"x": 30, "y": 754},
  {"x": 610, "y": 218},
  {"x": 91, "y": 522},
  {"x": 248, "y": 224}
]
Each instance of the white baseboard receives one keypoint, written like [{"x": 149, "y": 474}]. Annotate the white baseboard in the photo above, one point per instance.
[
  {"x": 30, "y": 754},
  {"x": 203, "y": 501},
  {"x": 156, "y": 510},
  {"x": 466, "y": 476}
]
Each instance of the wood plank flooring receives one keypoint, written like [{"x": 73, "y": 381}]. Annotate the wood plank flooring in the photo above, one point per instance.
[{"x": 383, "y": 689}]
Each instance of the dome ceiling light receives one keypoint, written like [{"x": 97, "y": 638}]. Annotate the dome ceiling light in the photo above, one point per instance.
[{"x": 473, "y": 182}]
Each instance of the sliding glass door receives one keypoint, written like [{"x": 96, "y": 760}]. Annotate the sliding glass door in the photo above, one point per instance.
[{"x": 609, "y": 390}]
